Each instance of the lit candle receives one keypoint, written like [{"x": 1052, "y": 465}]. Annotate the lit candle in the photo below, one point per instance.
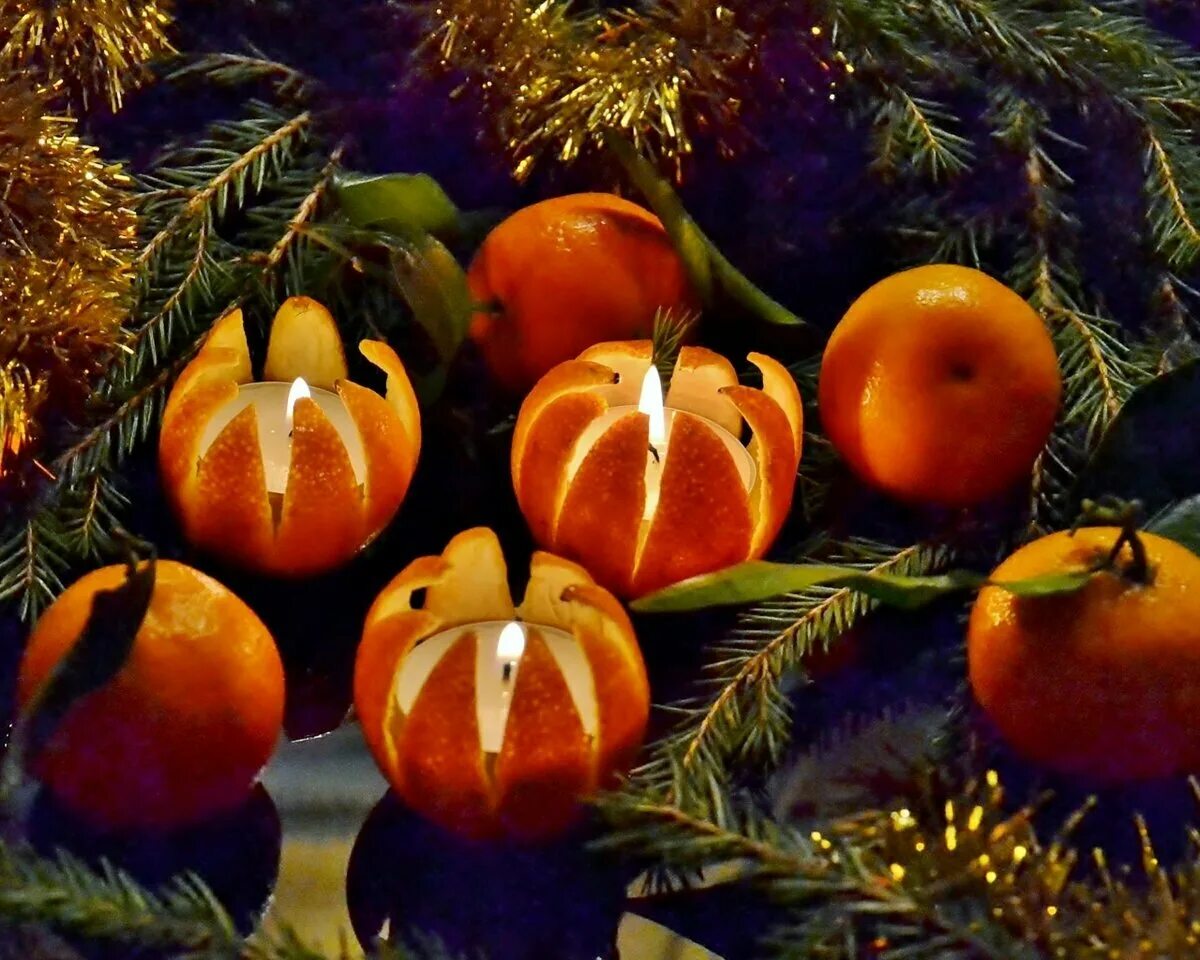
[
  {"x": 500, "y": 646},
  {"x": 662, "y": 418},
  {"x": 274, "y": 402}
]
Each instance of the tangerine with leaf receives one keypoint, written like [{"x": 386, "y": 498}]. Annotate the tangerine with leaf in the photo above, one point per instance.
[
  {"x": 182, "y": 729},
  {"x": 1102, "y": 683},
  {"x": 940, "y": 386},
  {"x": 566, "y": 273}
]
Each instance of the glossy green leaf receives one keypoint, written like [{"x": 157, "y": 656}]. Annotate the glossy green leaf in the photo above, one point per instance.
[
  {"x": 760, "y": 580},
  {"x": 1179, "y": 522},
  {"x": 96, "y": 657},
  {"x": 403, "y": 203},
  {"x": 1151, "y": 451},
  {"x": 435, "y": 287}
]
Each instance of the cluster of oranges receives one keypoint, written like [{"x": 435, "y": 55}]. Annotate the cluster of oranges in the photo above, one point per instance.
[{"x": 939, "y": 387}]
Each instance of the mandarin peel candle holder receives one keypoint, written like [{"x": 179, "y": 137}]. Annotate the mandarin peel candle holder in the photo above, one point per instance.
[
  {"x": 583, "y": 480},
  {"x": 330, "y": 507},
  {"x": 577, "y": 715}
]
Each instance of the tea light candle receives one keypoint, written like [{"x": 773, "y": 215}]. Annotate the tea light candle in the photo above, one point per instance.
[
  {"x": 499, "y": 647},
  {"x": 274, "y": 403},
  {"x": 662, "y": 419}
]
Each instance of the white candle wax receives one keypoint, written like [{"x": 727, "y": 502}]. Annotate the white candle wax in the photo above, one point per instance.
[
  {"x": 270, "y": 401},
  {"x": 497, "y": 666},
  {"x": 662, "y": 420}
]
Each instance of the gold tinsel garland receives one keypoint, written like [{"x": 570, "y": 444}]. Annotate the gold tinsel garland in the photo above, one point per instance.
[
  {"x": 67, "y": 235},
  {"x": 971, "y": 849},
  {"x": 87, "y": 46},
  {"x": 556, "y": 80}
]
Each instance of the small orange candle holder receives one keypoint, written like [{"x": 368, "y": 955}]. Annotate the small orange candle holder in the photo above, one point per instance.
[
  {"x": 493, "y": 720},
  {"x": 646, "y": 493},
  {"x": 295, "y": 474}
]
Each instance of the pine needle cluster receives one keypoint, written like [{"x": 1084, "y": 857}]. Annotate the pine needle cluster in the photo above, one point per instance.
[
  {"x": 66, "y": 897},
  {"x": 740, "y": 724}
]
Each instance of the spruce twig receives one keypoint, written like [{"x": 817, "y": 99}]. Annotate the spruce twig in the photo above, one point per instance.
[{"x": 747, "y": 718}]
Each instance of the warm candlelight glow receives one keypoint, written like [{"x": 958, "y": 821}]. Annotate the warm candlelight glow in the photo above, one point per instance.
[
  {"x": 651, "y": 404},
  {"x": 511, "y": 643},
  {"x": 299, "y": 389}
]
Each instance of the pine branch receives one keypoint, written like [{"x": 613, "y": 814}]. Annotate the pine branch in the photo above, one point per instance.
[
  {"x": 747, "y": 720},
  {"x": 32, "y": 561},
  {"x": 914, "y": 132},
  {"x": 108, "y": 905},
  {"x": 91, "y": 511},
  {"x": 206, "y": 175},
  {"x": 288, "y": 247},
  {"x": 1172, "y": 339},
  {"x": 1172, "y": 182},
  {"x": 239, "y": 69},
  {"x": 1097, "y": 368},
  {"x": 105, "y": 443}
]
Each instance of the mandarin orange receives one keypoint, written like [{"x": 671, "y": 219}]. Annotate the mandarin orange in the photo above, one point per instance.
[
  {"x": 1102, "y": 683},
  {"x": 183, "y": 729},
  {"x": 940, "y": 386},
  {"x": 567, "y": 273}
]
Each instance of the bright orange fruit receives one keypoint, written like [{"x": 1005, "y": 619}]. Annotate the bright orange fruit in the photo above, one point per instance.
[
  {"x": 183, "y": 729},
  {"x": 940, "y": 385},
  {"x": 1105, "y": 682},
  {"x": 566, "y": 273}
]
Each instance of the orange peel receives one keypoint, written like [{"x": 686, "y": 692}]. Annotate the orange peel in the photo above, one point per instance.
[
  {"x": 556, "y": 746},
  {"x": 579, "y": 470},
  {"x": 217, "y": 486}
]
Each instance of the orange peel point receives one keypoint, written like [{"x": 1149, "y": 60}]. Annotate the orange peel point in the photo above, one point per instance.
[
  {"x": 567, "y": 727},
  {"x": 305, "y": 342},
  {"x": 779, "y": 385},
  {"x": 398, "y": 391},
  {"x": 216, "y": 484},
  {"x": 580, "y": 467}
]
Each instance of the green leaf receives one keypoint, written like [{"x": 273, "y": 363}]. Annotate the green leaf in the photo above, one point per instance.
[
  {"x": 1179, "y": 522},
  {"x": 435, "y": 288},
  {"x": 95, "y": 658},
  {"x": 760, "y": 580},
  {"x": 1151, "y": 451},
  {"x": 403, "y": 203}
]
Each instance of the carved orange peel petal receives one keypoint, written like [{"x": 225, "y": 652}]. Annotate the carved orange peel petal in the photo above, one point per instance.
[{"x": 305, "y": 342}]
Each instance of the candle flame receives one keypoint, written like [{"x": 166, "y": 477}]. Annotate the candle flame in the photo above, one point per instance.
[
  {"x": 511, "y": 642},
  {"x": 651, "y": 404},
  {"x": 299, "y": 389}
]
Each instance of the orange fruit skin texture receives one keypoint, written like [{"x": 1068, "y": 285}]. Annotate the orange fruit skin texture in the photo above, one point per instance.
[
  {"x": 940, "y": 386},
  {"x": 183, "y": 729},
  {"x": 567, "y": 273},
  {"x": 1103, "y": 683}
]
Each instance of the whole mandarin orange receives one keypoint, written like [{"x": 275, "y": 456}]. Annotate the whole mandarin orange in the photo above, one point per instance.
[
  {"x": 940, "y": 385},
  {"x": 183, "y": 729},
  {"x": 567, "y": 273},
  {"x": 1103, "y": 683}
]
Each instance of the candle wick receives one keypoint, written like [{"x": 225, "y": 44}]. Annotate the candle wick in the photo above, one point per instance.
[
  {"x": 508, "y": 670},
  {"x": 654, "y": 453}
]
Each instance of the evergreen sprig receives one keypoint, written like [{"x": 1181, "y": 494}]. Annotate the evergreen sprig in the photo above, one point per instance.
[
  {"x": 182, "y": 919},
  {"x": 744, "y": 721},
  {"x": 65, "y": 894}
]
